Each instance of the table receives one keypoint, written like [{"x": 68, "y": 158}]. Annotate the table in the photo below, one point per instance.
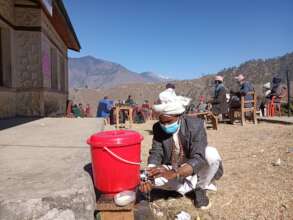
[
  {"x": 207, "y": 116},
  {"x": 118, "y": 109}
]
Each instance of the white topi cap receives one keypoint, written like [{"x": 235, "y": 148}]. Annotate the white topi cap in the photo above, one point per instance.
[{"x": 171, "y": 104}]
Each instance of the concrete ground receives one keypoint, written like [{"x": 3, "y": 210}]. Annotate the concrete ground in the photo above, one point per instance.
[{"x": 42, "y": 170}]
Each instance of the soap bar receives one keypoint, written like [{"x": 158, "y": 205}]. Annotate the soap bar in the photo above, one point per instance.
[{"x": 124, "y": 198}]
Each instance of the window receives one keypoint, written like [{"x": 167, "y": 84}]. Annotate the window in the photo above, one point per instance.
[
  {"x": 54, "y": 76},
  {"x": 62, "y": 73}
]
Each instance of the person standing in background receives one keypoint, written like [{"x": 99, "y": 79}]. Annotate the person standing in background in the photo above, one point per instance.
[{"x": 104, "y": 107}]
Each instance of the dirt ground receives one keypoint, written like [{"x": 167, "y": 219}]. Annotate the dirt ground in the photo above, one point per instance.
[{"x": 252, "y": 187}]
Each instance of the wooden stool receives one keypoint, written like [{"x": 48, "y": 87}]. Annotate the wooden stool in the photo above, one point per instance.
[{"x": 109, "y": 211}]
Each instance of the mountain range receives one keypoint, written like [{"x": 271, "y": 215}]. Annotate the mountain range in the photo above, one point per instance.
[
  {"x": 257, "y": 71},
  {"x": 90, "y": 72}
]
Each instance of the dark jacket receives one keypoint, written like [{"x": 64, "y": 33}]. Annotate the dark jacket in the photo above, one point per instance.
[
  {"x": 245, "y": 88},
  {"x": 219, "y": 102},
  {"x": 193, "y": 138},
  {"x": 279, "y": 91}
]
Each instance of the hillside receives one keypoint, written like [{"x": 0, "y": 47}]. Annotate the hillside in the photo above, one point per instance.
[
  {"x": 257, "y": 71},
  {"x": 90, "y": 72}
]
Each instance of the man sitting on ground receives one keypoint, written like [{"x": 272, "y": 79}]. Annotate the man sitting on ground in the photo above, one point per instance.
[{"x": 180, "y": 159}]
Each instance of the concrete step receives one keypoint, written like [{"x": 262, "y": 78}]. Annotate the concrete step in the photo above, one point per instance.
[{"x": 42, "y": 166}]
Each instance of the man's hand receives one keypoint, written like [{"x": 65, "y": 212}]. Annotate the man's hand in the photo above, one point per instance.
[
  {"x": 145, "y": 187},
  {"x": 162, "y": 172}
]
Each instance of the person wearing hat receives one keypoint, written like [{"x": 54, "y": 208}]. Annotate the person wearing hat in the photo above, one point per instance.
[
  {"x": 180, "y": 159},
  {"x": 245, "y": 87},
  {"x": 278, "y": 90},
  {"x": 219, "y": 102},
  {"x": 170, "y": 86}
]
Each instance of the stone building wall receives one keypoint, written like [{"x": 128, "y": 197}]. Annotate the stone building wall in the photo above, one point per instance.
[
  {"x": 7, "y": 103},
  {"x": 28, "y": 17},
  {"x": 29, "y": 103},
  {"x": 28, "y": 61},
  {"x": 7, "y": 10},
  {"x": 54, "y": 103},
  {"x": 7, "y": 94},
  {"x": 28, "y": 77},
  {"x": 55, "y": 100},
  {"x": 49, "y": 35}
]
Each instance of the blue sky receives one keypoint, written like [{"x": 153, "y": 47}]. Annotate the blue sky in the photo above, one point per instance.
[{"x": 182, "y": 39}]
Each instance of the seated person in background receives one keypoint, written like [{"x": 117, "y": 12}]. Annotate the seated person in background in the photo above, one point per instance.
[
  {"x": 129, "y": 101},
  {"x": 202, "y": 106},
  {"x": 69, "y": 112},
  {"x": 76, "y": 111},
  {"x": 146, "y": 104},
  {"x": 180, "y": 159},
  {"x": 146, "y": 110},
  {"x": 267, "y": 89},
  {"x": 263, "y": 99},
  {"x": 278, "y": 90},
  {"x": 219, "y": 101},
  {"x": 88, "y": 111},
  {"x": 104, "y": 107},
  {"x": 82, "y": 112},
  {"x": 245, "y": 87},
  {"x": 119, "y": 102}
]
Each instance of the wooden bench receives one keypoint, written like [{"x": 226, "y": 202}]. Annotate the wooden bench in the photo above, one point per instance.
[
  {"x": 243, "y": 110},
  {"x": 207, "y": 116},
  {"x": 107, "y": 210}
]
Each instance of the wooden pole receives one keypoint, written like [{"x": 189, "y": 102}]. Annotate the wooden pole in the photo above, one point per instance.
[{"x": 288, "y": 95}]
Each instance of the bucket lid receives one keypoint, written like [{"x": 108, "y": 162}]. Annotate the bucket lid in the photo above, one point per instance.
[{"x": 114, "y": 138}]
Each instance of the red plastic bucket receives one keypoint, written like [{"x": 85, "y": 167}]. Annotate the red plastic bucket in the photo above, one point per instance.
[{"x": 115, "y": 160}]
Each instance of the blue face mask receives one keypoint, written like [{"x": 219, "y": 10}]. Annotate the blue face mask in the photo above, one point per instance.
[{"x": 171, "y": 128}]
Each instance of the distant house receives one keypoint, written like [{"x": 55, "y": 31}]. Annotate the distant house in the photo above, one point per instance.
[{"x": 34, "y": 38}]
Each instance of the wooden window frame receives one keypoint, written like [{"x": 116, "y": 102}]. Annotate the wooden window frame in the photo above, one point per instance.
[{"x": 54, "y": 68}]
